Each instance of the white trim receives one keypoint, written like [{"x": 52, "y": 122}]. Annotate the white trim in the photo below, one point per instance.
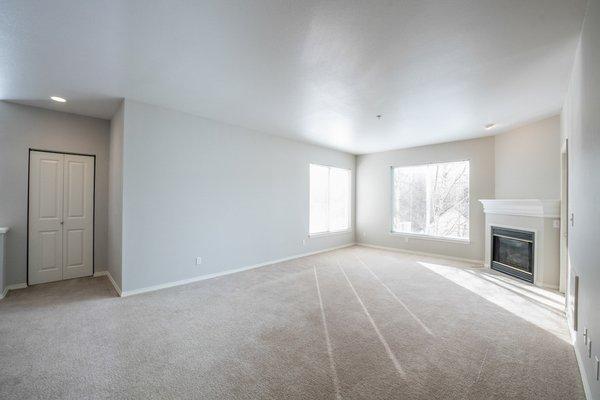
[
  {"x": 430, "y": 237},
  {"x": 422, "y": 253},
  {"x": 586, "y": 384},
  {"x": 110, "y": 278},
  {"x": 217, "y": 274},
  {"x": 117, "y": 288},
  {"x": 333, "y": 233},
  {"x": 16, "y": 286},
  {"x": 563, "y": 268},
  {"x": 4, "y": 230},
  {"x": 524, "y": 207},
  {"x": 350, "y": 200},
  {"x": 546, "y": 286}
]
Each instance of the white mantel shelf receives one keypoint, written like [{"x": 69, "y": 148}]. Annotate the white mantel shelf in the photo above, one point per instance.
[
  {"x": 524, "y": 207},
  {"x": 3, "y": 230}
]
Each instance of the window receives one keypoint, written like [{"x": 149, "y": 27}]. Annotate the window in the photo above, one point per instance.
[
  {"x": 329, "y": 199},
  {"x": 432, "y": 200}
]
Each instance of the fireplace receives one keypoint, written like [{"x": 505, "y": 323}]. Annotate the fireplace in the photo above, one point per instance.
[{"x": 513, "y": 252}]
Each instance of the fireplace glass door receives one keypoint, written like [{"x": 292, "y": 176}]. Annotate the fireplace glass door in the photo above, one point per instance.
[{"x": 512, "y": 252}]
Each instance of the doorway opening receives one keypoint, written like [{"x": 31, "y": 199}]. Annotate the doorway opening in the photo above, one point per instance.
[{"x": 564, "y": 220}]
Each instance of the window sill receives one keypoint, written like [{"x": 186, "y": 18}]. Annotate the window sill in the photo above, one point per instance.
[
  {"x": 433, "y": 238},
  {"x": 316, "y": 235}
]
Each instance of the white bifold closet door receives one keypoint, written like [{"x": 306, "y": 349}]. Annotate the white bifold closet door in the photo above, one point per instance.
[{"x": 61, "y": 216}]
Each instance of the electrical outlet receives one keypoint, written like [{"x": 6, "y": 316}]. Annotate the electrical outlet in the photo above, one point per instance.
[
  {"x": 405, "y": 239},
  {"x": 364, "y": 234},
  {"x": 304, "y": 242},
  {"x": 198, "y": 260}
]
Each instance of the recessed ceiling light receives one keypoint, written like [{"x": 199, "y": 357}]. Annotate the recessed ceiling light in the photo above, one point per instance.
[
  {"x": 489, "y": 126},
  {"x": 59, "y": 99}
]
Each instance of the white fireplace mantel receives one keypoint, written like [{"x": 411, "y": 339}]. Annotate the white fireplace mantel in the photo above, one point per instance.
[{"x": 523, "y": 207}]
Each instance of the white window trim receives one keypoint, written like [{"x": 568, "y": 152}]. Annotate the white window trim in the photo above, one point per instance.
[
  {"x": 331, "y": 233},
  {"x": 431, "y": 237},
  {"x": 425, "y": 236}
]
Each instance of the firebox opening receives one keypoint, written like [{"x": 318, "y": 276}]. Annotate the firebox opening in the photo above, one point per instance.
[{"x": 513, "y": 252}]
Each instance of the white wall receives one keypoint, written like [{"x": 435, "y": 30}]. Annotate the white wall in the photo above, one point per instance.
[
  {"x": 581, "y": 125},
  {"x": 26, "y": 127},
  {"x": 528, "y": 161},
  {"x": 115, "y": 194},
  {"x": 373, "y": 195},
  {"x": 194, "y": 187}
]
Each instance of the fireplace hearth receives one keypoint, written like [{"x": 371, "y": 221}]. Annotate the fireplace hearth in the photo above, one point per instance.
[{"x": 513, "y": 252}]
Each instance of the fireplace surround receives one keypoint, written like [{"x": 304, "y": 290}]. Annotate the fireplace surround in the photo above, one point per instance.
[{"x": 537, "y": 217}]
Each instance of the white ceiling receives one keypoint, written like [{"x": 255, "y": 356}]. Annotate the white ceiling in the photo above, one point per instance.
[{"x": 317, "y": 71}]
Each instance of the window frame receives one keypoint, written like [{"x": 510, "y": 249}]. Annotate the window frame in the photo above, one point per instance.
[
  {"x": 329, "y": 232},
  {"x": 425, "y": 236}
]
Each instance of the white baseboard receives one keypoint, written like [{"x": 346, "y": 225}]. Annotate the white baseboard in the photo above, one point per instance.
[
  {"x": 586, "y": 384},
  {"x": 228, "y": 272},
  {"x": 110, "y": 278},
  {"x": 547, "y": 286},
  {"x": 422, "y": 253},
  {"x": 16, "y": 286}
]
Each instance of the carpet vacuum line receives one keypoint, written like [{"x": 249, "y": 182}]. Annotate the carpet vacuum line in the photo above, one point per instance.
[
  {"x": 381, "y": 338},
  {"x": 336, "y": 381},
  {"x": 396, "y": 297}
]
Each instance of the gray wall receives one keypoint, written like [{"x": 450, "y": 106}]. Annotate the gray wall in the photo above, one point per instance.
[
  {"x": 115, "y": 195},
  {"x": 373, "y": 195},
  {"x": 194, "y": 187},
  {"x": 26, "y": 127},
  {"x": 528, "y": 161},
  {"x": 581, "y": 125}
]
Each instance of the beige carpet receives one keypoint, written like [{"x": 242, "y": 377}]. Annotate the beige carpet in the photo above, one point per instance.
[{"x": 356, "y": 323}]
